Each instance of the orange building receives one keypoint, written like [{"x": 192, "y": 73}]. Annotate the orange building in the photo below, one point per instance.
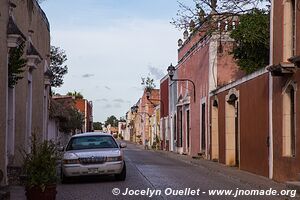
[{"x": 86, "y": 108}]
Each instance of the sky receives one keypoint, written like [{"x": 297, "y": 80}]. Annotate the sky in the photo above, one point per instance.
[{"x": 110, "y": 45}]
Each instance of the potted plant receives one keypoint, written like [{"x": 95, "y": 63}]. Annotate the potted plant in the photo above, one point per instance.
[{"x": 40, "y": 170}]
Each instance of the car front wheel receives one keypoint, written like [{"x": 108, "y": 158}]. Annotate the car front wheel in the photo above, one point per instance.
[
  {"x": 64, "y": 179},
  {"x": 122, "y": 175}
]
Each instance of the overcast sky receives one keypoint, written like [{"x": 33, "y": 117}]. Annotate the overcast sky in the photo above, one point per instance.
[{"x": 110, "y": 45}]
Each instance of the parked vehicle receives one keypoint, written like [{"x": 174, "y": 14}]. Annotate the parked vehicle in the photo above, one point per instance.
[{"x": 93, "y": 154}]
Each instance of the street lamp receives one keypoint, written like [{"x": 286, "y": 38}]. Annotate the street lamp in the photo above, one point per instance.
[
  {"x": 171, "y": 71},
  {"x": 148, "y": 95}
]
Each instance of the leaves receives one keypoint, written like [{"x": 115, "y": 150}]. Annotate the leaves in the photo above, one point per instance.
[
  {"x": 74, "y": 121},
  {"x": 252, "y": 41},
  {"x": 148, "y": 83},
  {"x": 70, "y": 119},
  {"x": 112, "y": 120},
  {"x": 206, "y": 12},
  {"x": 75, "y": 94},
  {"x": 97, "y": 126},
  {"x": 57, "y": 67},
  {"x": 16, "y": 65},
  {"x": 40, "y": 163}
]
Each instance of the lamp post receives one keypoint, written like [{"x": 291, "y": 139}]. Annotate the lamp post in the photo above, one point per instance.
[
  {"x": 171, "y": 71},
  {"x": 148, "y": 95}
]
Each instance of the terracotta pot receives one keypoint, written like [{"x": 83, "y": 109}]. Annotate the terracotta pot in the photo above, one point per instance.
[{"x": 36, "y": 193}]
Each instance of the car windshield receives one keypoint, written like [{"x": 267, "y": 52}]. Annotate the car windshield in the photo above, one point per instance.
[{"x": 91, "y": 142}]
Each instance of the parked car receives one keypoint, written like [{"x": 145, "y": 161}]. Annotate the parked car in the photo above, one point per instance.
[{"x": 93, "y": 154}]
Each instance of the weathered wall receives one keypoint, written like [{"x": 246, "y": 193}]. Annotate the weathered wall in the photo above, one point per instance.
[
  {"x": 3, "y": 84},
  {"x": 285, "y": 168},
  {"x": 30, "y": 17}
]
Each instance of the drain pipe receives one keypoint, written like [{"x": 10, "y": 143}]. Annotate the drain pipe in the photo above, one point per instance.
[{"x": 271, "y": 155}]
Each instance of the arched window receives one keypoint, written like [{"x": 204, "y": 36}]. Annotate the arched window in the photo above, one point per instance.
[
  {"x": 289, "y": 25},
  {"x": 289, "y": 122}
]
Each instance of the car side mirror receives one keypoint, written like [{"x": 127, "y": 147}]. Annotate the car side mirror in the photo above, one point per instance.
[
  {"x": 123, "y": 145},
  {"x": 61, "y": 148}
]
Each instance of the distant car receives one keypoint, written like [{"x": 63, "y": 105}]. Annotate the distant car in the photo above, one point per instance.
[{"x": 93, "y": 154}]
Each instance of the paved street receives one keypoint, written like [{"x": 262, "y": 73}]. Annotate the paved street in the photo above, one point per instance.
[{"x": 158, "y": 170}]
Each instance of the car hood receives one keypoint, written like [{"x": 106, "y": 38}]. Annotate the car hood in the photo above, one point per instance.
[{"x": 74, "y": 154}]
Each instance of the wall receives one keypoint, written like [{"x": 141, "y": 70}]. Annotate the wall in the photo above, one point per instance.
[
  {"x": 3, "y": 86},
  {"x": 36, "y": 21},
  {"x": 253, "y": 124},
  {"x": 285, "y": 168}
]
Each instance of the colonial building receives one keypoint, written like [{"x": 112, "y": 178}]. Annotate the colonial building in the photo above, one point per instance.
[
  {"x": 254, "y": 119},
  {"x": 24, "y": 105},
  {"x": 204, "y": 63},
  {"x": 285, "y": 57}
]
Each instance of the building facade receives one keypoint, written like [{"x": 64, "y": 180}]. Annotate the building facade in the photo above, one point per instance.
[
  {"x": 204, "y": 64},
  {"x": 24, "y": 106},
  {"x": 254, "y": 119}
]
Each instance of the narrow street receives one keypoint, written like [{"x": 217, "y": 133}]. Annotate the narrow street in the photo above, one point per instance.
[{"x": 154, "y": 170}]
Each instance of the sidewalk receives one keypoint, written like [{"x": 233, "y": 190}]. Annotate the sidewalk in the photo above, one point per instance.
[{"x": 223, "y": 170}]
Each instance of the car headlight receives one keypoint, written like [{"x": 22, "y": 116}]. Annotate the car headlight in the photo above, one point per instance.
[
  {"x": 71, "y": 161},
  {"x": 114, "y": 159}
]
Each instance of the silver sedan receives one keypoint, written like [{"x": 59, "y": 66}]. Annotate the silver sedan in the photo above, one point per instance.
[{"x": 93, "y": 154}]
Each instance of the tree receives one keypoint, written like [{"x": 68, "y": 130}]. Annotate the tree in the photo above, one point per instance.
[
  {"x": 122, "y": 119},
  {"x": 16, "y": 65},
  {"x": 57, "y": 66},
  {"x": 74, "y": 121},
  {"x": 69, "y": 118},
  {"x": 75, "y": 94},
  {"x": 209, "y": 12},
  {"x": 112, "y": 120},
  {"x": 252, "y": 38},
  {"x": 97, "y": 126},
  {"x": 148, "y": 83}
]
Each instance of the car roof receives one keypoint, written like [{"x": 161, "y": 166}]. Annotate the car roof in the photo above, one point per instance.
[{"x": 92, "y": 134}]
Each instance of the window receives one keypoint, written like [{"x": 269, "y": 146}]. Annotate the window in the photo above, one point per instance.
[
  {"x": 289, "y": 24},
  {"x": 91, "y": 142},
  {"x": 179, "y": 142},
  {"x": 289, "y": 123},
  {"x": 203, "y": 130}
]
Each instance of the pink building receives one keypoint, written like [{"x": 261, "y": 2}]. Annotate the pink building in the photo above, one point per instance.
[{"x": 204, "y": 60}]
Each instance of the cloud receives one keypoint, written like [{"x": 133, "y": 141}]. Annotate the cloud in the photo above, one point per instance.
[
  {"x": 87, "y": 75},
  {"x": 102, "y": 100},
  {"x": 156, "y": 72},
  {"x": 107, "y": 106},
  {"x": 106, "y": 87},
  {"x": 119, "y": 100}
]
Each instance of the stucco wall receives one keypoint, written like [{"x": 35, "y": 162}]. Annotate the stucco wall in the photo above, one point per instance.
[
  {"x": 285, "y": 168},
  {"x": 253, "y": 124},
  {"x": 3, "y": 83},
  {"x": 27, "y": 19}
]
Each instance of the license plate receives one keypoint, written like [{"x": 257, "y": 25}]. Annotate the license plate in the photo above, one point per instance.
[{"x": 93, "y": 171}]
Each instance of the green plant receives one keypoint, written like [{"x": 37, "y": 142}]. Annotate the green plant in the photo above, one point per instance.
[
  {"x": 252, "y": 38},
  {"x": 148, "y": 83},
  {"x": 16, "y": 65},
  {"x": 57, "y": 67},
  {"x": 40, "y": 164}
]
